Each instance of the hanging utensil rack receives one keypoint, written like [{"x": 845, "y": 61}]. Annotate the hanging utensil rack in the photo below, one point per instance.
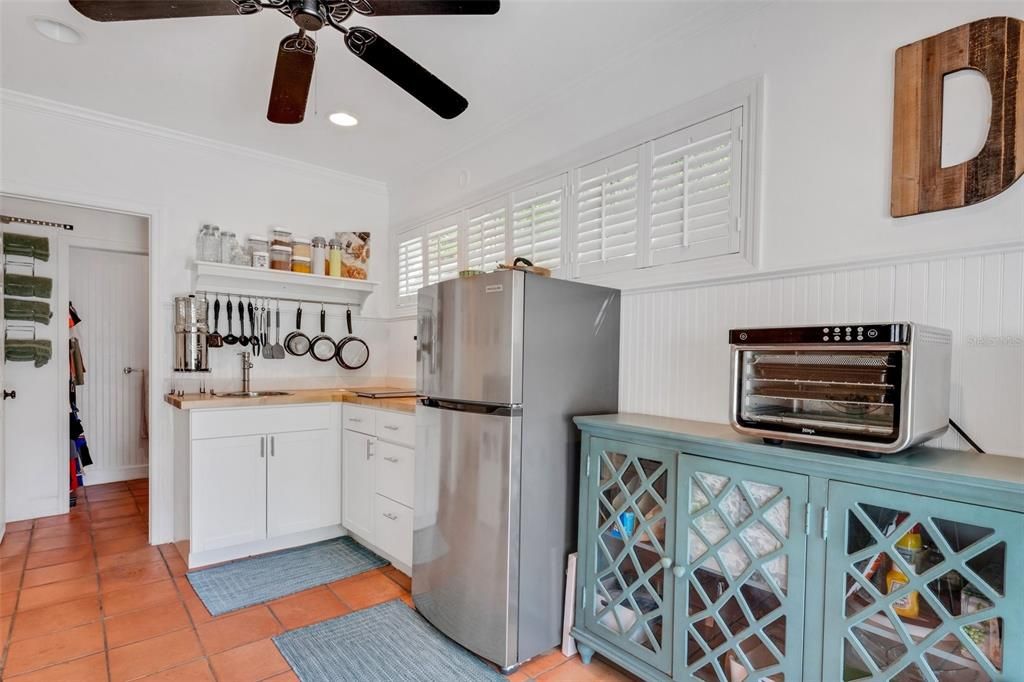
[{"x": 32, "y": 221}]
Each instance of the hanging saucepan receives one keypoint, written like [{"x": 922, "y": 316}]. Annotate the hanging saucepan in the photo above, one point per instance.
[
  {"x": 323, "y": 346},
  {"x": 297, "y": 343},
  {"x": 352, "y": 352}
]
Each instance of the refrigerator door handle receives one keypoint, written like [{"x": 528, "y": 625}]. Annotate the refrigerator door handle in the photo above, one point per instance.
[{"x": 473, "y": 408}]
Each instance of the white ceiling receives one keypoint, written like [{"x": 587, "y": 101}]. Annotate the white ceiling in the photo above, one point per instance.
[{"x": 211, "y": 76}]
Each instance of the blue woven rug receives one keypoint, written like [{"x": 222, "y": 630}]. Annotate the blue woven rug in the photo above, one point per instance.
[
  {"x": 389, "y": 641},
  {"x": 262, "y": 578}
]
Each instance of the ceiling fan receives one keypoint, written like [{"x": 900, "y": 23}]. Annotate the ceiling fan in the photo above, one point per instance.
[{"x": 297, "y": 51}]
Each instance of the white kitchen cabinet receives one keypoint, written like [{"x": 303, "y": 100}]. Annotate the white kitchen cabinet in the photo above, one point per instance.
[
  {"x": 358, "y": 477},
  {"x": 229, "y": 482},
  {"x": 303, "y": 482},
  {"x": 377, "y": 475},
  {"x": 259, "y": 479}
]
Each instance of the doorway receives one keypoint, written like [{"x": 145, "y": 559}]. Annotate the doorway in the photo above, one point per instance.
[{"x": 101, "y": 268}]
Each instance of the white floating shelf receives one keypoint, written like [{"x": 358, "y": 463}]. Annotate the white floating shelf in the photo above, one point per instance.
[{"x": 246, "y": 281}]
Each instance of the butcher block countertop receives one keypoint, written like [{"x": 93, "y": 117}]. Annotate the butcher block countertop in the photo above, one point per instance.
[{"x": 200, "y": 401}]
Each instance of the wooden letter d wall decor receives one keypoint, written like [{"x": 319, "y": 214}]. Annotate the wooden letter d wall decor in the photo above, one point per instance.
[{"x": 919, "y": 182}]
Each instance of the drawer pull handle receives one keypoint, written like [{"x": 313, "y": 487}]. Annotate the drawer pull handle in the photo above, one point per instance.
[
  {"x": 390, "y": 427},
  {"x": 356, "y": 420},
  {"x": 393, "y": 517},
  {"x": 394, "y": 460}
]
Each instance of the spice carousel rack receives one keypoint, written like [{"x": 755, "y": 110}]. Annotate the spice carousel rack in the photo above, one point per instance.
[{"x": 278, "y": 284}]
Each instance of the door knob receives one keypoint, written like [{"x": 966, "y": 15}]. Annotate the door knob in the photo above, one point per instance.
[{"x": 10, "y": 395}]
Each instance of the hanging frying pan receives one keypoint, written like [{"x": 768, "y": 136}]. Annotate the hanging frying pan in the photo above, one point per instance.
[
  {"x": 215, "y": 340},
  {"x": 230, "y": 339},
  {"x": 352, "y": 351},
  {"x": 323, "y": 346},
  {"x": 297, "y": 343}
]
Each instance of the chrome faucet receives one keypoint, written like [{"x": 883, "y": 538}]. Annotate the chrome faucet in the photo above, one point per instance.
[{"x": 246, "y": 366}]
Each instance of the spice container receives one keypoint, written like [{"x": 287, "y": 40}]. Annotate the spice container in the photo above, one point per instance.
[
  {"x": 334, "y": 259},
  {"x": 301, "y": 247},
  {"x": 281, "y": 237},
  {"x": 261, "y": 259},
  {"x": 319, "y": 256},
  {"x": 258, "y": 244},
  {"x": 301, "y": 264},
  {"x": 280, "y": 257}
]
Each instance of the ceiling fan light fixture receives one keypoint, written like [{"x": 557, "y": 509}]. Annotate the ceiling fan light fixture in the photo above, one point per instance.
[
  {"x": 55, "y": 30},
  {"x": 343, "y": 119}
]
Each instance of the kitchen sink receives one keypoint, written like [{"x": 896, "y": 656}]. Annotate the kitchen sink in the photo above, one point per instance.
[{"x": 251, "y": 394}]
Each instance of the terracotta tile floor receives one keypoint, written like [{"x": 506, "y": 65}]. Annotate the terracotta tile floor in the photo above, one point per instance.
[{"x": 83, "y": 597}]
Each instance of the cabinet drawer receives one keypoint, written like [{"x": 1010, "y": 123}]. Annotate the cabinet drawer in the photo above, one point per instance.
[
  {"x": 394, "y": 471},
  {"x": 393, "y": 529},
  {"x": 359, "y": 419},
  {"x": 397, "y": 427},
  {"x": 245, "y": 421}
]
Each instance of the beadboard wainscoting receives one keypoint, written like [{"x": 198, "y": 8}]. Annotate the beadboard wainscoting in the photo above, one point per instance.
[{"x": 675, "y": 351}]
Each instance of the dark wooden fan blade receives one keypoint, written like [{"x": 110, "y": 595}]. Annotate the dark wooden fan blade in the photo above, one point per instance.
[
  {"x": 292, "y": 75},
  {"x": 404, "y": 72},
  {"x": 383, "y": 8},
  {"x": 134, "y": 10}
]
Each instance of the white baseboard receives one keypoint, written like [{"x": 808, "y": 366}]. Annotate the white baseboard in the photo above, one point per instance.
[{"x": 94, "y": 476}]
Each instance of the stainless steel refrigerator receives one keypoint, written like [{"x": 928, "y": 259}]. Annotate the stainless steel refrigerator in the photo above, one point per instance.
[{"x": 504, "y": 361}]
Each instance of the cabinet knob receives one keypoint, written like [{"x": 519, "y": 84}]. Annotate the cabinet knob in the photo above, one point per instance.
[
  {"x": 666, "y": 562},
  {"x": 678, "y": 571}
]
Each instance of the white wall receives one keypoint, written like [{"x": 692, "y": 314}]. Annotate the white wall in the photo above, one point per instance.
[
  {"x": 67, "y": 154},
  {"x": 828, "y": 70}
]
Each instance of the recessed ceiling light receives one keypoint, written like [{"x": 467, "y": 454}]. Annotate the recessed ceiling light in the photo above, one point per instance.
[
  {"x": 54, "y": 30},
  {"x": 342, "y": 119}
]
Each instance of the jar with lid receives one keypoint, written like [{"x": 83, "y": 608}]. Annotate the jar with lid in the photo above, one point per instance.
[
  {"x": 281, "y": 237},
  {"x": 280, "y": 257},
  {"x": 319, "y": 256},
  {"x": 201, "y": 237},
  {"x": 211, "y": 244},
  {"x": 301, "y": 247},
  {"x": 261, "y": 259},
  {"x": 334, "y": 259},
  {"x": 258, "y": 244},
  {"x": 228, "y": 242},
  {"x": 301, "y": 264}
]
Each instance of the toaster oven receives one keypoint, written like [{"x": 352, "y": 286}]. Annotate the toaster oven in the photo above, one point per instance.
[{"x": 872, "y": 387}]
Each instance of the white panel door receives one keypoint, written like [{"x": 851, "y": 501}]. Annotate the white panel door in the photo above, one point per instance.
[
  {"x": 303, "y": 482},
  {"x": 229, "y": 491},
  {"x": 358, "y": 483},
  {"x": 109, "y": 291}
]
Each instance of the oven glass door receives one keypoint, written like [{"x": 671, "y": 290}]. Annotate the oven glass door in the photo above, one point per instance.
[{"x": 849, "y": 394}]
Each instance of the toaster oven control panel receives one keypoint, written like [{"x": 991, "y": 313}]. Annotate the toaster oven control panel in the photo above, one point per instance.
[{"x": 840, "y": 333}]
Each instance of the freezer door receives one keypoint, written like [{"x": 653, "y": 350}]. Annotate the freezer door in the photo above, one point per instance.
[
  {"x": 470, "y": 339},
  {"x": 465, "y": 545}
]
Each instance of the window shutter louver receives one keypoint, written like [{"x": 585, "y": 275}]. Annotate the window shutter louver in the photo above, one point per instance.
[
  {"x": 410, "y": 269},
  {"x": 443, "y": 253},
  {"x": 485, "y": 235},
  {"x": 537, "y": 223},
  {"x": 607, "y": 213},
  {"x": 694, "y": 191}
]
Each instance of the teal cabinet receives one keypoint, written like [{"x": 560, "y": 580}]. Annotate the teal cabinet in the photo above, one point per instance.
[{"x": 704, "y": 555}]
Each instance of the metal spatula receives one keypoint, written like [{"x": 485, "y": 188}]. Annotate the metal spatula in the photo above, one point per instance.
[
  {"x": 268, "y": 351},
  {"x": 278, "y": 348}
]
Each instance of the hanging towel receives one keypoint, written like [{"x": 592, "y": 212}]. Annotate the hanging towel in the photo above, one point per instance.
[
  {"x": 25, "y": 245},
  {"x": 27, "y": 285},
  {"x": 77, "y": 363},
  {"x": 28, "y": 311},
  {"x": 38, "y": 351}
]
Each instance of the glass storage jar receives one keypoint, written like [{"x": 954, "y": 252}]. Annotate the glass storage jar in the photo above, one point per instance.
[
  {"x": 211, "y": 245},
  {"x": 280, "y": 257},
  {"x": 334, "y": 259},
  {"x": 319, "y": 256},
  {"x": 228, "y": 244},
  {"x": 301, "y": 247},
  {"x": 300, "y": 264},
  {"x": 281, "y": 237}
]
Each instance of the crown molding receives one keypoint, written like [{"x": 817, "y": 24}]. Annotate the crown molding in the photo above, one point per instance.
[{"x": 14, "y": 99}]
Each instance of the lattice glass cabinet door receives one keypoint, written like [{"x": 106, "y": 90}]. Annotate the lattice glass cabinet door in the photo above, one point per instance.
[
  {"x": 741, "y": 572},
  {"x": 631, "y": 527},
  {"x": 922, "y": 589}
]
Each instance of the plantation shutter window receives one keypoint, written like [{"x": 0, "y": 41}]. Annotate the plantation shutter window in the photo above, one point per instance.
[
  {"x": 694, "y": 191},
  {"x": 537, "y": 217},
  {"x": 486, "y": 235},
  {"x": 606, "y": 197},
  {"x": 410, "y": 269},
  {"x": 443, "y": 252}
]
